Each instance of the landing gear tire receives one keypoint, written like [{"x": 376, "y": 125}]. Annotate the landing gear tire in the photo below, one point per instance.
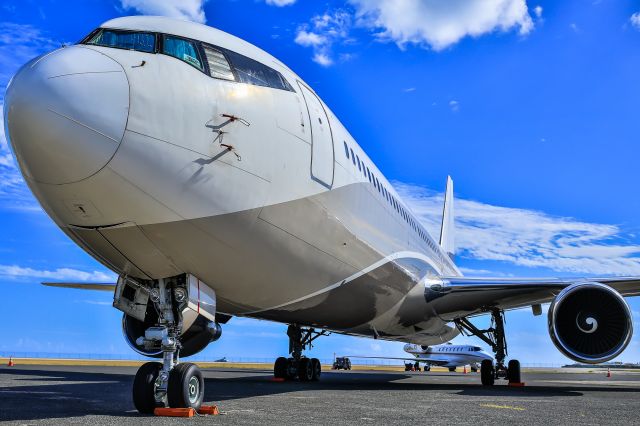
[
  {"x": 280, "y": 368},
  {"x": 317, "y": 369},
  {"x": 452, "y": 369},
  {"x": 487, "y": 373},
  {"x": 305, "y": 370},
  {"x": 144, "y": 383},
  {"x": 513, "y": 371},
  {"x": 185, "y": 387}
]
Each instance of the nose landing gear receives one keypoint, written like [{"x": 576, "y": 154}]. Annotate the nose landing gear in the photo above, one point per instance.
[
  {"x": 495, "y": 337},
  {"x": 305, "y": 369},
  {"x": 167, "y": 383}
]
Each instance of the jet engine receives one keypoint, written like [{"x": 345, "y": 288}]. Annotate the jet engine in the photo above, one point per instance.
[
  {"x": 193, "y": 340},
  {"x": 196, "y": 303},
  {"x": 590, "y": 322}
]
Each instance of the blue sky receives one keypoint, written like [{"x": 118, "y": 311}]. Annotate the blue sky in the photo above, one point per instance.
[{"x": 531, "y": 107}]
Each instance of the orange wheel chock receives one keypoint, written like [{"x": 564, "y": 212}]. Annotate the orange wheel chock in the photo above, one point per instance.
[
  {"x": 516, "y": 384},
  {"x": 174, "y": 412},
  {"x": 277, "y": 379},
  {"x": 211, "y": 410}
]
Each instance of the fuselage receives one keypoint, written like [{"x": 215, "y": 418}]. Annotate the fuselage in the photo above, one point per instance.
[{"x": 158, "y": 165}]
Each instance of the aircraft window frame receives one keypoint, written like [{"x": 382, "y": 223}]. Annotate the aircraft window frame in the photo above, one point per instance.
[
  {"x": 197, "y": 47},
  {"x": 242, "y": 76},
  {"x": 353, "y": 156},
  {"x": 358, "y": 160},
  {"x": 93, "y": 34},
  {"x": 346, "y": 150},
  {"x": 204, "y": 47}
]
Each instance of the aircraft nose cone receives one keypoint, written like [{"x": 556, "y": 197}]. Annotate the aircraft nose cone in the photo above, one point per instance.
[{"x": 65, "y": 114}]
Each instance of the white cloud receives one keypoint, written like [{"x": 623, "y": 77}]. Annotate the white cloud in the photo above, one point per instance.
[
  {"x": 280, "y": 3},
  {"x": 15, "y": 271},
  {"x": 527, "y": 237},
  {"x": 440, "y": 24},
  {"x": 538, "y": 11},
  {"x": 95, "y": 302},
  {"x": 635, "y": 20},
  {"x": 454, "y": 105},
  {"x": 304, "y": 38},
  {"x": 188, "y": 10},
  {"x": 322, "y": 32},
  {"x": 409, "y": 90}
]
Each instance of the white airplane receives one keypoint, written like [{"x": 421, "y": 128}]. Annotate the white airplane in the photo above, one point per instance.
[
  {"x": 449, "y": 356},
  {"x": 214, "y": 181}
]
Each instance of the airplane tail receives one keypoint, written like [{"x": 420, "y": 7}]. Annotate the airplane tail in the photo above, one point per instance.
[{"x": 447, "y": 231}]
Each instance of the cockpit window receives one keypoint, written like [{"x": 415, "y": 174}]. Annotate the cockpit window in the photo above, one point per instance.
[
  {"x": 253, "y": 72},
  {"x": 218, "y": 65},
  {"x": 143, "y": 42},
  {"x": 183, "y": 49}
]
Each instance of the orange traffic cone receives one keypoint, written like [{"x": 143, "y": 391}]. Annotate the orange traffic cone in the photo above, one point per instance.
[
  {"x": 465, "y": 370},
  {"x": 11, "y": 363},
  {"x": 608, "y": 372}
]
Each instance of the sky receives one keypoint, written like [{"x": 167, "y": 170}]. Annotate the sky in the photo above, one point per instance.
[{"x": 531, "y": 107}]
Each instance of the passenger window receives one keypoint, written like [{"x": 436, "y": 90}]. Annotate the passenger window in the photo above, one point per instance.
[
  {"x": 182, "y": 49},
  {"x": 218, "y": 65},
  {"x": 143, "y": 42},
  {"x": 253, "y": 72},
  {"x": 346, "y": 150},
  {"x": 353, "y": 157},
  {"x": 358, "y": 159}
]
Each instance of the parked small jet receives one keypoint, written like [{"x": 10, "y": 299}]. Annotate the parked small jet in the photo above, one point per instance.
[
  {"x": 449, "y": 356},
  {"x": 216, "y": 183}
]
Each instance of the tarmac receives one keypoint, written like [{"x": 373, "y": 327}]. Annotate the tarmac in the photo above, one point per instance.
[{"x": 101, "y": 395}]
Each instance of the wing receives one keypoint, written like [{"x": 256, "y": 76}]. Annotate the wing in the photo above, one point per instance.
[
  {"x": 430, "y": 361},
  {"x": 85, "y": 286},
  {"x": 412, "y": 359},
  {"x": 457, "y": 297}
]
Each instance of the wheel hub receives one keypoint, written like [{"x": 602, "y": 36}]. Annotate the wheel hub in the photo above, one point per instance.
[{"x": 194, "y": 389}]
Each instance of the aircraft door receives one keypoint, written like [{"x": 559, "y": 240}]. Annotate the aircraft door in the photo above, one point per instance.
[{"x": 322, "y": 156}]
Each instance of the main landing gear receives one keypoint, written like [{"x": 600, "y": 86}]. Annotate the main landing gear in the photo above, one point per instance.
[
  {"x": 305, "y": 369},
  {"x": 493, "y": 336},
  {"x": 167, "y": 383}
]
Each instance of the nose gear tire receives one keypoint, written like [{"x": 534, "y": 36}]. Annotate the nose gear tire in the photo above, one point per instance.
[
  {"x": 144, "y": 387},
  {"x": 185, "y": 387}
]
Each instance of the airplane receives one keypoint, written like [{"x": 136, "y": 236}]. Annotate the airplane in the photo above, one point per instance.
[
  {"x": 449, "y": 356},
  {"x": 216, "y": 183}
]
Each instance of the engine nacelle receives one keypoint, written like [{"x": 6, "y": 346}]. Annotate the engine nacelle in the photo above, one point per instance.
[
  {"x": 590, "y": 322},
  {"x": 193, "y": 340}
]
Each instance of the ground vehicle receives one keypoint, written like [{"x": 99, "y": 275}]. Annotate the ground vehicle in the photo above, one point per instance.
[{"x": 341, "y": 363}]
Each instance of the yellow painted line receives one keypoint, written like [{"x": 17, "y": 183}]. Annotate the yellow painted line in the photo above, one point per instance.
[
  {"x": 502, "y": 407},
  {"x": 239, "y": 365}
]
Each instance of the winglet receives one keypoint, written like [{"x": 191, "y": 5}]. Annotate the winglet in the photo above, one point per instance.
[{"x": 447, "y": 231}]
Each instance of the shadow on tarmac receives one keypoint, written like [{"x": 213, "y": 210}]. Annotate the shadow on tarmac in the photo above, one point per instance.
[{"x": 59, "y": 393}]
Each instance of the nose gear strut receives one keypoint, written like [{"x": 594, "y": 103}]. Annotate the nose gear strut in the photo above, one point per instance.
[{"x": 167, "y": 383}]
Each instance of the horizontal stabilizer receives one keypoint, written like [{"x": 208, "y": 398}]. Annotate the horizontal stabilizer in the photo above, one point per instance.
[{"x": 85, "y": 286}]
